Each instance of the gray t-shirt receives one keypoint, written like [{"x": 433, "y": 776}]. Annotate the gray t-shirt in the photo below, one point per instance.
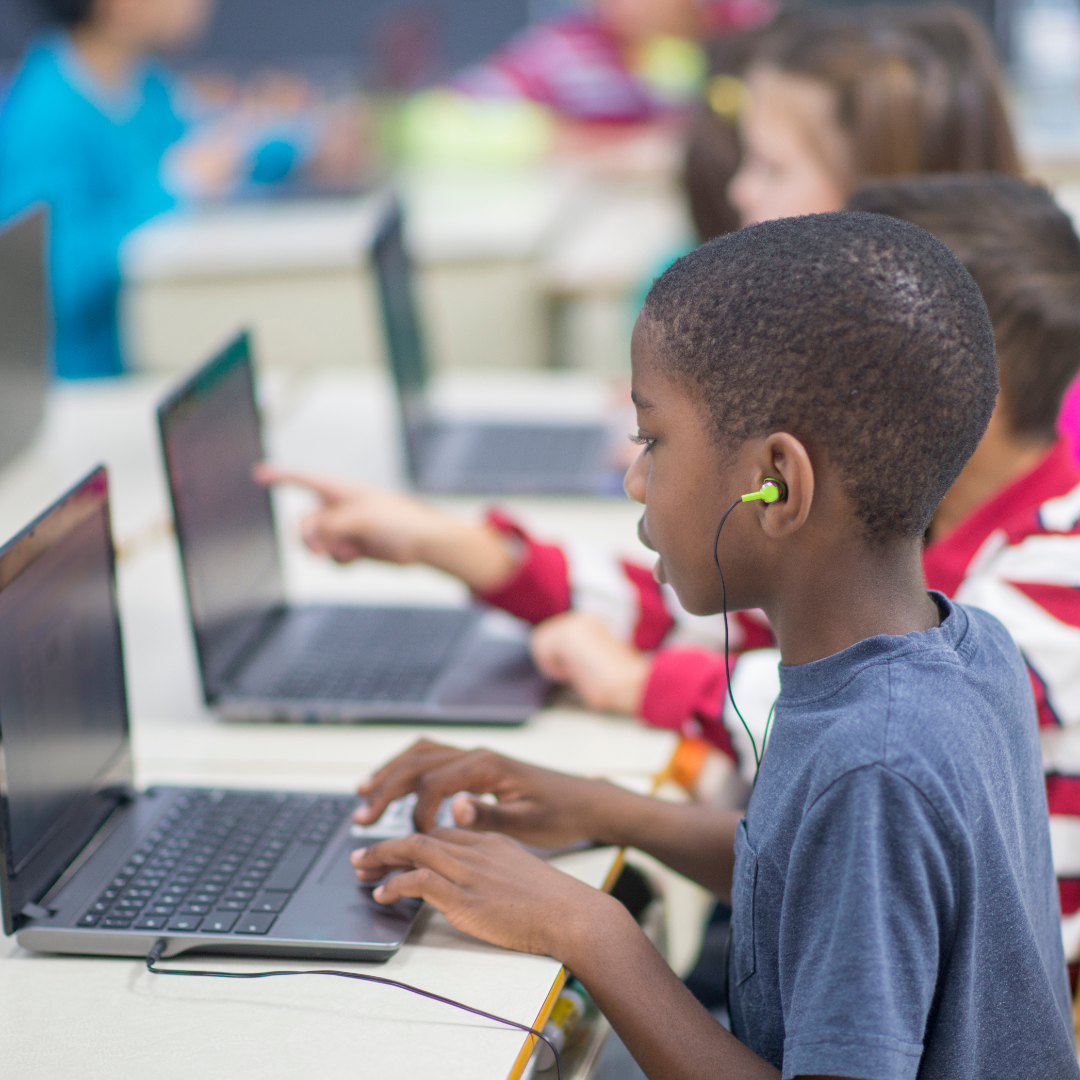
[{"x": 895, "y": 913}]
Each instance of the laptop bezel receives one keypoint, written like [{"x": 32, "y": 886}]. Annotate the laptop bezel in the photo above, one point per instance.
[
  {"x": 236, "y": 352},
  {"x": 411, "y": 388},
  {"x": 54, "y": 853}
]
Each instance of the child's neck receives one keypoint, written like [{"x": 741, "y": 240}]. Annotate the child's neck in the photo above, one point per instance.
[
  {"x": 817, "y": 611},
  {"x": 109, "y": 58}
]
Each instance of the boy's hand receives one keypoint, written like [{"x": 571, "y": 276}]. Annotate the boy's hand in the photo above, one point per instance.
[
  {"x": 578, "y": 648},
  {"x": 489, "y": 887},
  {"x": 537, "y": 806},
  {"x": 358, "y": 522}
]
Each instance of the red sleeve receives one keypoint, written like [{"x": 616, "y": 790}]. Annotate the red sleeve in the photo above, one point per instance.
[
  {"x": 685, "y": 690},
  {"x": 541, "y": 586},
  {"x": 654, "y": 621},
  {"x": 1047, "y": 716}
]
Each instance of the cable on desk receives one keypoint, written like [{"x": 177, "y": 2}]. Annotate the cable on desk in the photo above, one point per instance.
[{"x": 154, "y": 955}]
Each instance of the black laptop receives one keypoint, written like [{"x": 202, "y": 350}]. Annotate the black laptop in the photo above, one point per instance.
[
  {"x": 90, "y": 865},
  {"x": 262, "y": 658},
  {"x": 472, "y": 457},
  {"x": 24, "y": 330}
]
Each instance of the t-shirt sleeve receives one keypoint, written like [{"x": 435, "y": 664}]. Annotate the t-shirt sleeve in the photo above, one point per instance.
[{"x": 868, "y": 908}]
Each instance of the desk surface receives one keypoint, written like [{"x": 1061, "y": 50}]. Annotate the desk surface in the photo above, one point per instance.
[{"x": 105, "y": 1017}]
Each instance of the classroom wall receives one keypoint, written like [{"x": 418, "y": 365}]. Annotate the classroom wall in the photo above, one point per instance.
[{"x": 384, "y": 41}]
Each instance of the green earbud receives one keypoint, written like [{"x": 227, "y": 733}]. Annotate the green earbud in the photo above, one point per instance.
[{"x": 771, "y": 491}]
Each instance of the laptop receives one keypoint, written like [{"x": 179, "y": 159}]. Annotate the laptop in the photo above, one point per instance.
[
  {"x": 90, "y": 865},
  {"x": 262, "y": 658},
  {"x": 445, "y": 456},
  {"x": 25, "y": 332}
]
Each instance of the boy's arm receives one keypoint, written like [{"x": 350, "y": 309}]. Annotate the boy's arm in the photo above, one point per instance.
[
  {"x": 358, "y": 522},
  {"x": 489, "y": 887}
]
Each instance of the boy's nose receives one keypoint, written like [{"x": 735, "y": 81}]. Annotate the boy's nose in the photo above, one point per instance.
[{"x": 634, "y": 481}]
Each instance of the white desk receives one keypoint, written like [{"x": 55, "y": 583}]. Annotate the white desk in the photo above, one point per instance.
[
  {"x": 515, "y": 270},
  {"x": 109, "y": 1018}
]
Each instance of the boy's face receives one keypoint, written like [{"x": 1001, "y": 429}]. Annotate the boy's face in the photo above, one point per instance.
[{"x": 686, "y": 484}]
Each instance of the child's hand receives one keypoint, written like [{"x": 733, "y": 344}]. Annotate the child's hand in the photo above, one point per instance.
[
  {"x": 537, "y": 806},
  {"x": 488, "y": 886},
  {"x": 358, "y": 522},
  {"x": 578, "y": 648}
]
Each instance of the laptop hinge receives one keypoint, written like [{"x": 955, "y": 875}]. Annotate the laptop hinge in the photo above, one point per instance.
[
  {"x": 125, "y": 796},
  {"x": 35, "y": 911}
]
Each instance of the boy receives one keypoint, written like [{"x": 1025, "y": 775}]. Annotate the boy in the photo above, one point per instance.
[{"x": 894, "y": 911}]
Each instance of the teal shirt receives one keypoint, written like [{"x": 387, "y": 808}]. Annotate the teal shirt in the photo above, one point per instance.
[{"x": 95, "y": 158}]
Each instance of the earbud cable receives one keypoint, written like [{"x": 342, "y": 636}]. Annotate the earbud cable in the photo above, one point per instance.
[{"x": 727, "y": 650}]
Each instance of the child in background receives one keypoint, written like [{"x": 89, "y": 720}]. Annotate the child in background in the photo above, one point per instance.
[
  {"x": 84, "y": 128},
  {"x": 92, "y": 126},
  {"x": 832, "y": 99},
  {"x": 589, "y": 66},
  {"x": 894, "y": 910},
  {"x": 1006, "y": 537}
]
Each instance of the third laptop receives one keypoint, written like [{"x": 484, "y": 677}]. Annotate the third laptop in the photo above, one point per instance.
[{"x": 459, "y": 456}]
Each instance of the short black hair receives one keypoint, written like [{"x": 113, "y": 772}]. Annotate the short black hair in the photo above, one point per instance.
[
  {"x": 1024, "y": 254},
  {"x": 67, "y": 12},
  {"x": 861, "y": 335}
]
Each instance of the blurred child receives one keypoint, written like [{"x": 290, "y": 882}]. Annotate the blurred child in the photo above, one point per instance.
[
  {"x": 92, "y": 126},
  {"x": 84, "y": 128},
  {"x": 590, "y": 66},
  {"x": 833, "y": 98}
]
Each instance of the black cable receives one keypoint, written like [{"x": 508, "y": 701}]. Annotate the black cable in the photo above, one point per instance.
[
  {"x": 154, "y": 955},
  {"x": 727, "y": 662}
]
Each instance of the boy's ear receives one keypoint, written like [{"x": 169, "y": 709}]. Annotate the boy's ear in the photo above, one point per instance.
[{"x": 785, "y": 458}]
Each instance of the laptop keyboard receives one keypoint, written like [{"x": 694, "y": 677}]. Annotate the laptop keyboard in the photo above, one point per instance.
[
  {"x": 523, "y": 451},
  {"x": 400, "y": 657},
  {"x": 220, "y": 862}
]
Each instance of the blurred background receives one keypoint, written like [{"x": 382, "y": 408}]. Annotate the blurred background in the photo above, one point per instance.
[{"x": 551, "y": 155}]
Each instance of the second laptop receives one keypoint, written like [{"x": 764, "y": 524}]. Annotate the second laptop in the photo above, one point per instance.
[{"x": 261, "y": 658}]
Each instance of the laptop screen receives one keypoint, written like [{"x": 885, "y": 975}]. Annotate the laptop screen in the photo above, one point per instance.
[
  {"x": 64, "y": 755},
  {"x": 404, "y": 341},
  {"x": 24, "y": 330},
  {"x": 224, "y": 520}
]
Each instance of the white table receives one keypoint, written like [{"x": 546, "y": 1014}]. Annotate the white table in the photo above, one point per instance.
[
  {"x": 110, "y": 1018},
  {"x": 515, "y": 270}
]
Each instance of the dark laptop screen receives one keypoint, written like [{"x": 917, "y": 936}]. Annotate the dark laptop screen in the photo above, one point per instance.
[
  {"x": 63, "y": 712},
  {"x": 404, "y": 342},
  {"x": 224, "y": 520}
]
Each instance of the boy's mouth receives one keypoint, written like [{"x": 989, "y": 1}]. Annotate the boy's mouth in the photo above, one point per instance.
[
  {"x": 643, "y": 533},
  {"x": 659, "y": 576}
]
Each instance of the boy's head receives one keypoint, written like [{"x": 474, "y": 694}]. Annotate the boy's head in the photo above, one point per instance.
[
  {"x": 149, "y": 25},
  {"x": 1024, "y": 255},
  {"x": 853, "y": 349}
]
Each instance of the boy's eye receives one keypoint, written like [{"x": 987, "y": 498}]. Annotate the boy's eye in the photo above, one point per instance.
[{"x": 643, "y": 440}]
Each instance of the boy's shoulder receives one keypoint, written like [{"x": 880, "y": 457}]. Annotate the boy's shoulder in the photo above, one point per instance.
[{"x": 938, "y": 708}]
